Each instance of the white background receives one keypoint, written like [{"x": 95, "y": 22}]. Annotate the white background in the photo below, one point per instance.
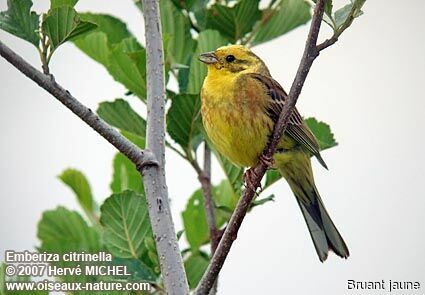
[{"x": 368, "y": 87}]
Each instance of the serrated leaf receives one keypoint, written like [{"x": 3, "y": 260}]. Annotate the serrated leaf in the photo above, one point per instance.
[
  {"x": 208, "y": 40},
  {"x": 120, "y": 115},
  {"x": 289, "y": 15},
  {"x": 62, "y": 24},
  {"x": 322, "y": 132},
  {"x": 61, "y": 231},
  {"x": 139, "y": 271},
  {"x": 183, "y": 119},
  {"x": 114, "y": 29},
  {"x": 126, "y": 224},
  {"x": 97, "y": 44},
  {"x": 57, "y": 3},
  {"x": 195, "y": 266},
  {"x": 112, "y": 45},
  {"x": 20, "y": 21},
  {"x": 233, "y": 22},
  {"x": 126, "y": 176},
  {"x": 180, "y": 45},
  {"x": 79, "y": 184},
  {"x": 127, "y": 65}
]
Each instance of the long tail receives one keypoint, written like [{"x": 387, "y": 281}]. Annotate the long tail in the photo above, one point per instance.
[{"x": 323, "y": 232}]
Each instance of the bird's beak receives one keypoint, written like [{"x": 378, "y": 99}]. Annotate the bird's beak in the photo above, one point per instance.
[{"x": 208, "y": 58}]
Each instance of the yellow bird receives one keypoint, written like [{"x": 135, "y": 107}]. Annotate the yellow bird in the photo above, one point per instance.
[{"x": 240, "y": 104}]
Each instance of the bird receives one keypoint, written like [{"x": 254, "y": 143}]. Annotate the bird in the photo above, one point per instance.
[{"x": 241, "y": 103}]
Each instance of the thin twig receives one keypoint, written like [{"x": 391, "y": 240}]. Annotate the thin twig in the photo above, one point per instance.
[
  {"x": 230, "y": 234},
  {"x": 171, "y": 261},
  {"x": 141, "y": 158}
]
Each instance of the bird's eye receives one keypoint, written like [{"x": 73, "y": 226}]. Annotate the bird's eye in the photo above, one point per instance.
[{"x": 230, "y": 58}]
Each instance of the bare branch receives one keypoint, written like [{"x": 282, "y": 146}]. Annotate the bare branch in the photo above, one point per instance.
[
  {"x": 230, "y": 234},
  {"x": 205, "y": 179},
  {"x": 171, "y": 261},
  {"x": 141, "y": 158}
]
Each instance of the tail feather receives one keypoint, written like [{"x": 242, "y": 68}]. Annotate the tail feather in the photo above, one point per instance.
[
  {"x": 295, "y": 167},
  {"x": 322, "y": 230}
]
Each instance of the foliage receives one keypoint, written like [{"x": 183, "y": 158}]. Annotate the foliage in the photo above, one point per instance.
[{"x": 189, "y": 28}]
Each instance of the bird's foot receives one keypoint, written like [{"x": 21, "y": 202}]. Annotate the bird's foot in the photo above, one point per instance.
[
  {"x": 248, "y": 179},
  {"x": 267, "y": 160}
]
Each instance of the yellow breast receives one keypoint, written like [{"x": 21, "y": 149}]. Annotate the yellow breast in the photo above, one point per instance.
[{"x": 235, "y": 123}]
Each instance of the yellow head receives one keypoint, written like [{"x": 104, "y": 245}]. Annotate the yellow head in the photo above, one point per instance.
[{"x": 234, "y": 60}]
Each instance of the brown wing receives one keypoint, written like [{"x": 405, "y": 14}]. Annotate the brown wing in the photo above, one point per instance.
[{"x": 296, "y": 129}]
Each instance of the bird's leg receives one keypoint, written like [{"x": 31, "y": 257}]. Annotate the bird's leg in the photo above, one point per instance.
[
  {"x": 248, "y": 179},
  {"x": 267, "y": 160},
  {"x": 250, "y": 174}
]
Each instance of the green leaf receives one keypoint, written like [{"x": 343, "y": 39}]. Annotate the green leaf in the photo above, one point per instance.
[
  {"x": 120, "y": 115},
  {"x": 194, "y": 220},
  {"x": 207, "y": 41},
  {"x": 199, "y": 10},
  {"x": 184, "y": 4},
  {"x": 62, "y": 231},
  {"x": 57, "y": 3},
  {"x": 97, "y": 43},
  {"x": 114, "y": 29},
  {"x": 20, "y": 21},
  {"x": 342, "y": 14},
  {"x": 15, "y": 279},
  {"x": 234, "y": 173},
  {"x": 137, "y": 269},
  {"x": 2, "y": 278},
  {"x": 224, "y": 197},
  {"x": 126, "y": 176},
  {"x": 112, "y": 45},
  {"x": 79, "y": 184},
  {"x": 328, "y": 8},
  {"x": 350, "y": 10},
  {"x": 195, "y": 266},
  {"x": 271, "y": 177},
  {"x": 183, "y": 119},
  {"x": 323, "y": 133},
  {"x": 136, "y": 139},
  {"x": 289, "y": 15},
  {"x": 127, "y": 64},
  {"x": 233, "y": 22},
  {"x": 176, "y": 26},
  {"x": 126, "y": 222},
  {"x": 62, "y": 24},
  {"x": 262, "y": 201}
]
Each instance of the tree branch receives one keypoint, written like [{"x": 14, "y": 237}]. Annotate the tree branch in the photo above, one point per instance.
[
  {"x": 230, "y": 234},
  {"x": 171, "y": 261},
  {"x": 205, "y": 180},
  {"x": 141, "y": 158}
]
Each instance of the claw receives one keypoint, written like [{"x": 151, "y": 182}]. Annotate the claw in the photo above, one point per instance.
[
  {"x": 268, "y": 161},
  {"x": 248, "y": 177}
]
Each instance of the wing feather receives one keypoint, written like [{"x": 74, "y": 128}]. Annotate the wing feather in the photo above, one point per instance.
[{"x": 296, "y": 129}]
